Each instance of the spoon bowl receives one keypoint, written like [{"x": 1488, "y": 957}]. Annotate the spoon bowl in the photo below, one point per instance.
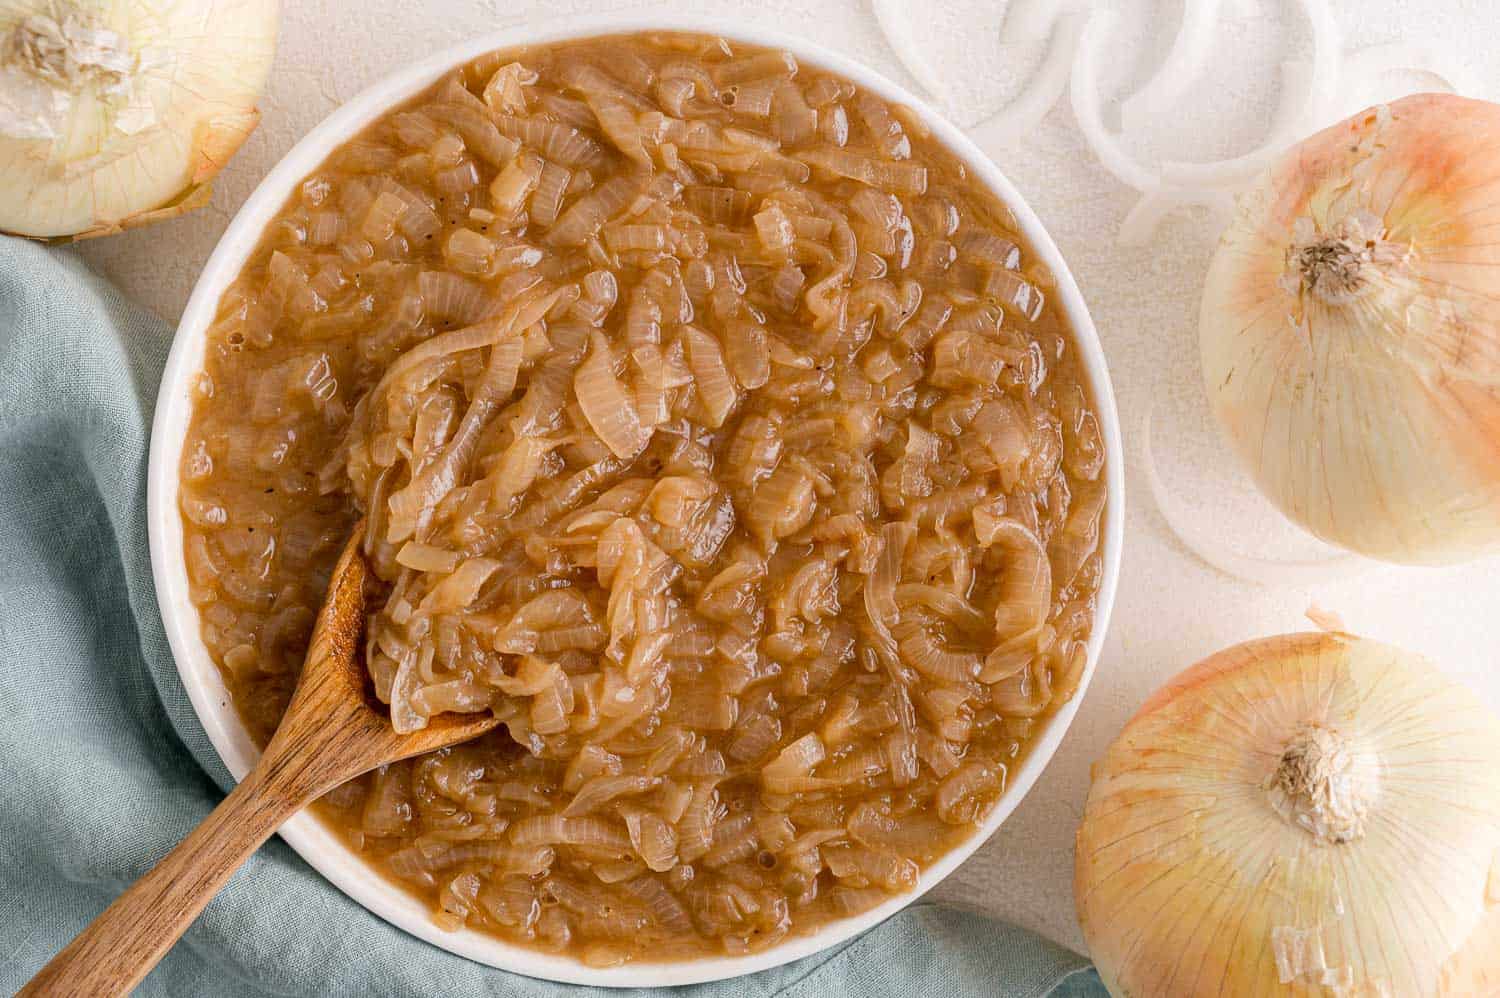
[{"x": 334, "y": 722}]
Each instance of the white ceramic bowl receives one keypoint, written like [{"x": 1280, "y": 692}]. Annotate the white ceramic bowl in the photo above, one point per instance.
[{"x": 201, "y": 677}]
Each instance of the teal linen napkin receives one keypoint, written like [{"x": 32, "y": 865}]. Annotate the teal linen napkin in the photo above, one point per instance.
[{"x": 104, "y": 767}]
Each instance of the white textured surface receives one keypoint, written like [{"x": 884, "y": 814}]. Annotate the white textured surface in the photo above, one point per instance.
[{"x": 1172, "y": 609}]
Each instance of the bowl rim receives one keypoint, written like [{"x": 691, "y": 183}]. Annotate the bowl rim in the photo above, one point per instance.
[{"x": 200, "y": 676}]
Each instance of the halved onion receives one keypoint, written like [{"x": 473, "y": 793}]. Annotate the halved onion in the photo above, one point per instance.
[{"x": 115, "y": 115}]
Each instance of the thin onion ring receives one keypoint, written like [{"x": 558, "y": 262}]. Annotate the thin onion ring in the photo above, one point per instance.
[
  {"x": 1184, "y": 63},
  {"x": 1234, "y": 172},
  {"x": 1046, "y": 86}
]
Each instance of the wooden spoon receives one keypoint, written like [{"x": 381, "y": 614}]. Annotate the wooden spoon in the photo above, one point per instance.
[{"x": 333, "y": 731}]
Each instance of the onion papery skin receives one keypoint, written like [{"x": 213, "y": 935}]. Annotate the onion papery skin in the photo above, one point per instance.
[
  {"x": 1372, "y": 421},
  {"x": 201, "y": 67},
  {"x": 1190, "y": 882}
]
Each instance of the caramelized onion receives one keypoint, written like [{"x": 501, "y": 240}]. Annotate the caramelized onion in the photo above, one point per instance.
[
  {"x": 712, "y": 431},
  {"x": 605, "y": 404}
]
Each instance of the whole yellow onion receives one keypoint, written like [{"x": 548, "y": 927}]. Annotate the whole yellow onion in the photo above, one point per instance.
[
  {"x": 1350, "y": 331},
  {"x": 1305, "y": 815}
]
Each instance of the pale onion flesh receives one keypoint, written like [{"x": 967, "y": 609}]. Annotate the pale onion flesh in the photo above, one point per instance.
[
  {"x": 116, "y": 114},
  {"x": 1311, "y": 814}
]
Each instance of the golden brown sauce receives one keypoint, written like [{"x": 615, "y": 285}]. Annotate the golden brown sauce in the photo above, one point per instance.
[{"x": 714, "y": 430}]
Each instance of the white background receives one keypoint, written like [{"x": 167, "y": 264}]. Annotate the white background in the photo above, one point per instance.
[{"x": 1172, "y": 608}]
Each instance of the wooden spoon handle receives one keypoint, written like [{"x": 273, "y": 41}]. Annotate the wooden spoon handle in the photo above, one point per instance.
[{"x": 120, "y": 947}]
